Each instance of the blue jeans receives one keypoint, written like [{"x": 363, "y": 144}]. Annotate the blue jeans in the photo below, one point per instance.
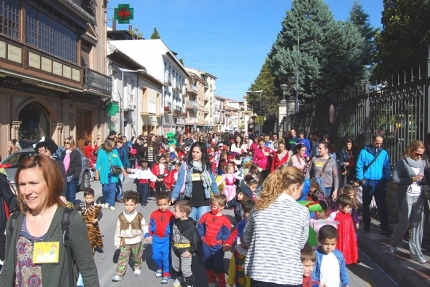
[
  {"x": 198, "y": 212},
  {"x": 118, "y": 187},
  {"x": 375, "y": 188},
  {"x": 143, "y": 190},
  {"x": 108, "y": 190},
  {"x": 72, "y": 186}
]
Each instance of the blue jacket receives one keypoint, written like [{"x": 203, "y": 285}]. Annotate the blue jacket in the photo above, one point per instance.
[
  {"x": 188, "y": 170},
  {"x": 380, "y": 169},
  {"x": 344, "y": 279},
  {"x": 104, "y": 167},
  {"x": 122, "y": 152},
  {"x": 307, "y": 144}
]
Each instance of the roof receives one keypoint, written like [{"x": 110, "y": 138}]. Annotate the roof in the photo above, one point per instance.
[{"x": 79, "y": 9}]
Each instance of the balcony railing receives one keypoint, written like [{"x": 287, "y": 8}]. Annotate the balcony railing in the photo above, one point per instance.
[
  {"x": 167, "y": 79},
  {"x": 95, "y": 81},
  {"x": 184, "y": 90},
  {"x": 190, "y": 104},
  {"x": 180, "y": 121},
  {"x": 191, "y": 121},
  {"x": 148, "y": 107}
]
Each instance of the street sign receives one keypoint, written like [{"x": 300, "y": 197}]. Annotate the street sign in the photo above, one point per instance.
[{"x": 123, "y": 13}]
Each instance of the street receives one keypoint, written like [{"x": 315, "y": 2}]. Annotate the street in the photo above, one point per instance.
[{"x": 364, "y": 274}]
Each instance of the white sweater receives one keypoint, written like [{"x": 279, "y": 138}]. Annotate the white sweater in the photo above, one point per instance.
[{"x": 142, "y": 174}]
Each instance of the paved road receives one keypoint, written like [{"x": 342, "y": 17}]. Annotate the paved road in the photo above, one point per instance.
[{"x": 364, "y": 274}]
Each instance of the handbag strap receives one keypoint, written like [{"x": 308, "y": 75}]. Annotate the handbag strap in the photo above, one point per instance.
[
  {"x": 373, "y": 160},
  {"x": 323, "y": 169}
]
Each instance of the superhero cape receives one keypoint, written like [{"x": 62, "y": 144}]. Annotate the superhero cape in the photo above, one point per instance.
[{"x": 312, "y": 206}]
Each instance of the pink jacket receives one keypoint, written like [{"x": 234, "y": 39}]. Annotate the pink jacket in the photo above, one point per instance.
[{"x": 260, "y": 159}]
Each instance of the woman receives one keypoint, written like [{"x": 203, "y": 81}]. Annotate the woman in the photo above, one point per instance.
[
  {"x": 280, "y": 157},
  {"x": 73, "y": 166},
  {"x": 298, "y": 159},
  {"x": 107, "y": 157},
  {"x": 12, "y": 146},
  {"x": 348, "y": 156},
  {"x": 254, "y": 146},
  {"x": 40, "y": 221},
  {"x": 152, "y": 149},
  {"x": 261, "y": 158},
  {"x": 330, "y": 176},
  {"x": 196, "y": 181},
  {"x": 122, "y": 152},
  {"x": 238, "y": 146},
  {"x": 276, "y": 231},
  {"x": 408, "y": 173}
]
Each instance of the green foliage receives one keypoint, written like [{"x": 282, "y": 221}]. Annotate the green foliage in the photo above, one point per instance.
[
  {"x": 136, "y": 34},
  {"x": 155, "y": 34},
  {"x": 402, "y": 44}
]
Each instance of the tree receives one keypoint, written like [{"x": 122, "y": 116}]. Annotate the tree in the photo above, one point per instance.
[
  {"x": 269, "y": 101},
  {"x": 136, "y": 34},
  {"x": 403, "y": 41},
  {"x": 155, "y": 34}
]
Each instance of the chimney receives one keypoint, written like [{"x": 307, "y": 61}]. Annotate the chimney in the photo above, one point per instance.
[
  {"x": 113, "y": 24},
  {"x": 130, "y": 27}
]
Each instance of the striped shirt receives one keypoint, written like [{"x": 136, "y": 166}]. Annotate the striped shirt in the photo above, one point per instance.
[{"x": 275, "y": 236}]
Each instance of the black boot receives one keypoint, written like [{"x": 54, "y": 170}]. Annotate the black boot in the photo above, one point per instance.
[{"x": 189, "y": 281}]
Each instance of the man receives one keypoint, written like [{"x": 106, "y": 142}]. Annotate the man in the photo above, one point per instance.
[
  {"x": 373, "y": 173},
  {"x": 292, "y": 141},
  {"x": 274, "y": 141},
  {"x": 189, "y": 140},
  {"x": 315, "y": 138},
  {"x": 267, "y": 142}
]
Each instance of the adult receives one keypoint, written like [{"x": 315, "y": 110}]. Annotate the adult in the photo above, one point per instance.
[
  {"x": 277, "y": 229},
  {"x": 122, "y": 153},
  {"x": 298, "y": 159},
  {"x": 268, "y": 142},
  {"x": 188, "y": 140},
  {"x": 315, "y": 140},
  {"x": 326, "y": 167},
  {"x": 348, "y": 157},
  {"x": 274, "y": 141},
  {"x": 106, "y": 158},
  {"x": 153, "y": 149},
  {"x": 261, "y": 158},
  {"x": 40, "y": 222},
  {"x": 238, "y": 147},
  {"x": 73, "y": 166},
  {"x": 292, "y": 141},
  {"x": 254, "y": 145},
  {"x": 373, "y": 173},
  {"x": 196, "y": 180},
  {"x": 408, "y": 173},
  {"x": 303, "y": 140},
  {"x": 280, "y": 157},
  {"x": 12, "y": 146}
]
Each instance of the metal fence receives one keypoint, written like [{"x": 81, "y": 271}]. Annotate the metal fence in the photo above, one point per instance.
[{"x": 399, "y": 112}]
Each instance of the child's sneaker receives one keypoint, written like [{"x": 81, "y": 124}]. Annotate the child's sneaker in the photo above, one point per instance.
[
  {"x": 165, "y": 280},
  {"x": 137, "y": 272},
  {"x": 177, "y": 283},
  {"x": 158, "y": 273},
  {"x": 116, "y": 278}
]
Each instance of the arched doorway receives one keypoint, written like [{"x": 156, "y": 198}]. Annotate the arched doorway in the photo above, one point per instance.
[{"x": 35, "y": 123}]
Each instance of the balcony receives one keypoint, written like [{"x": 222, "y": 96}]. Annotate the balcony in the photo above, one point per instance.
[
  {"x": 206, "y": 109},
  {"x": 184, "y": 90},
  {"x": 97, "y": 83},
  {"x": 175, "y": 85},
  {"x": 190, "y": 104},
  {"x": 207, "y": 123},
  {"x": 167, "y": 79},
  {"x": 148, "y": 108},
  {"x": 207, "y": 96},
  {"x": 180, "y": 121},
  {"x": 190, "y": 121},
  {"x": 193, "y": 90}
]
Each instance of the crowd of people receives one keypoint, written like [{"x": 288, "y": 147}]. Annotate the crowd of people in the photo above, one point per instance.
[{"x": 296, "y": 210}]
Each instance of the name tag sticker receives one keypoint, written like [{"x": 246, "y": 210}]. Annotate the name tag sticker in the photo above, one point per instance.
[
  {"x": 196, "y": 177},
  {"x": 46, "y": 252},
  {"x": 319, "y": 164}
]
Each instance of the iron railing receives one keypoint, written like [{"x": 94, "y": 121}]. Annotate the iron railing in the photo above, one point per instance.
[{"x": 97, "y": 82}]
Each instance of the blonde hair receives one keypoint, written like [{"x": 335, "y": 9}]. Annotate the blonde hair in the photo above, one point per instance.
[
  {"x": 350, "y": 190},
  {"x": 413, "y": 147},
  {"x": 219, "y": 199},
  {"x": 276, "y": 183},
  {"x": 72, "y": 142}
]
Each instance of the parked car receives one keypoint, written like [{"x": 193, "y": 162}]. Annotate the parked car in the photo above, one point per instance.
[{"x": 10, "y": 164}]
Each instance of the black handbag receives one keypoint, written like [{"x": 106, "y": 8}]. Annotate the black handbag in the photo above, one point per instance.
[{"x": 115, "y": 169}]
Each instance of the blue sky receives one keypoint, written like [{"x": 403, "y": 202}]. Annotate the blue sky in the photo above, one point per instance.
[{"x": 229, "y": 39}]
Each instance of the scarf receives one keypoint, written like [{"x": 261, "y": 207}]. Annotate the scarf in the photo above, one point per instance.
[
  {"x": 414, "y": 163},
  {"x": 66, "y": 160},
  {"x": 206, "y": 177}
]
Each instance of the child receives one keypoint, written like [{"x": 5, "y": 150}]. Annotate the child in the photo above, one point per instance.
[
  {"x": 130, "y": 227},
  {"x": 308, "y": 258},
  {"x": 186, "y": 241},
  {"x": 159, "y": 231},
  {"x": 143, "y": 175},
  {"x": 250, "y": 186},
  {"x": 330, "y": 268},
  {"x": 172, "y": 177},
  {"x": 221, "y": 166},
  {"x": 214, "y": 228},
  {"x": 92, "y": 215},
  {"x": 159, "y": 169},
  {"x": 229, "y": 178},
  {"x": 347, "y": 241},
  {"x": 236, "y": 272},
  {"x": 350, "y": 191},
  {"x": 323, "y": 218},
  {"x": 313, "y": 191},
  {"x": 236, "y": 203}
]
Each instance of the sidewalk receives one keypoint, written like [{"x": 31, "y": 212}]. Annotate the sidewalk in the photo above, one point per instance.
[{"x": 398, "y": 265}]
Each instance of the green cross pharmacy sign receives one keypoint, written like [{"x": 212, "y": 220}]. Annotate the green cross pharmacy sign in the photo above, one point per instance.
[{"x": 123, "y": 13}]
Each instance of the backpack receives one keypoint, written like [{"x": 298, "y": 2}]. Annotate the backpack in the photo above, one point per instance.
[
  {"x": 7, "y": 206},
  {"x": 65, "y": 226}
]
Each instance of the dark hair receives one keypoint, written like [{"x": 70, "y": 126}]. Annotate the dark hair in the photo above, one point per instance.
[
  {"x": 13, "y": 141},
  {"x": 248, "y": 205},
  {"x": 307, "y": 253},
  {"x": 51, "y": 175},
  {"x": 48, "y": 144},
  {"x": 131, "y": 195},
  {"x": 143, "y": 163},
  {"x": 376, "y": 136},
  {"x": 250, "y": 179},
  {"x": 298, "y": 147},
  {"x": 89, "y": 191},
  {"x": 184, "y": 206},
  {"x": 324, "y": 205},
  {"x": 163, "y": 195},
  {"x": 344, "y": 200},
  {"x": 327, "y": 232},
  {"x": 206, "y": 164},
  {"x": 326, "y": 138},
  {"x": 325, "y": 144}
]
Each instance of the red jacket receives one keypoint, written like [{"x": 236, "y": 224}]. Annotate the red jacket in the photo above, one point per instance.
[
  {"x": 156, "y": 171},
  {"x": 169, "y": 180},
  {"x": 276, "y": 162}
]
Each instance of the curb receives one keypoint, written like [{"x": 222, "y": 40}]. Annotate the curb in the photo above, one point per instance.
[{"x": 390, "y": 263}]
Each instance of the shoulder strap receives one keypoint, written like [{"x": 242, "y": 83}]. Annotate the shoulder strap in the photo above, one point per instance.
[
  {"x": 323, "y": 169},
  {"x": 65, "y": 226},
  {"x": 373, "y": 160},
  {"x": 14, "y": 217}
]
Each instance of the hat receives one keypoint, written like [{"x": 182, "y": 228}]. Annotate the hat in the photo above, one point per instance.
[
  {"x": 112, "y": 133},
  {"x": 221, "y": 145}
]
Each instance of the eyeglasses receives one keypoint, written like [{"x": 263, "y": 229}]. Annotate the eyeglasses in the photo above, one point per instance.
[
  {"x": 66, "y": 142},
  {"x": 418, "y": 154}
]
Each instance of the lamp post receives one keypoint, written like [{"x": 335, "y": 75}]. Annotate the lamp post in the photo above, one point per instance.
[
  {"x": 121, "y": 124},
  {"x": 287, "y": 104},
  {"x": 259, "y": 113}
]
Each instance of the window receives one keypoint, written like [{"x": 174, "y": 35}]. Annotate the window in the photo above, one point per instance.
[
  {"x": 9, "y": 18},
  {"x": 50, "y": 36}
]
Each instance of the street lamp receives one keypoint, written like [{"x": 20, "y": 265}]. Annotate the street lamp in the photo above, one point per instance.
[
  {"x": 121, "y": 124},
  {"x": 259, "y": 113}
]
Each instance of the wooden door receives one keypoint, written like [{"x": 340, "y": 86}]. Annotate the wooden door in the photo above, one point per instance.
[{"x": 83, "y": 128}]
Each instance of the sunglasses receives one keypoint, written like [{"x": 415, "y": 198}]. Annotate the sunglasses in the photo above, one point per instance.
[
  {"x": 121, "y": 142},
  {"x": 66, "y": 142},
  {"x": 418, "y": 154}
]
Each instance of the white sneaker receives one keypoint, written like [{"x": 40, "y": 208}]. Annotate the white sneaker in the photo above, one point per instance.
[
  {"x": 177, "y": 283},
  {"x": 116, "y": 278},
  {"x": 106, "y": 205},
  {"x": 137, "y": 272},
  {"x": 212, "y": 284},
  {"x": 112, "y": 207}
]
